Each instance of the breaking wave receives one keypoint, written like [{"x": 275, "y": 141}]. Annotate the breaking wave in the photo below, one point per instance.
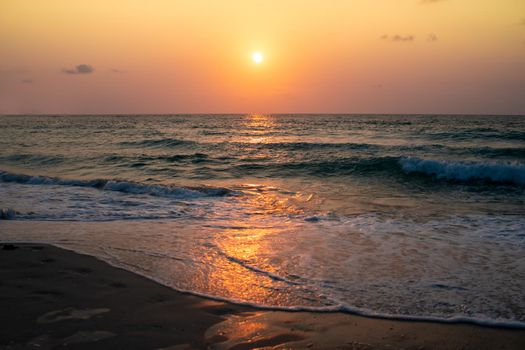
[
  {"x": 467, "y": 171},
  {"x": 121, "y": 186}
]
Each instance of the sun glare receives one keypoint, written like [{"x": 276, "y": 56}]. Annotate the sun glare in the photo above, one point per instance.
[{"x": 257, "y": 57}]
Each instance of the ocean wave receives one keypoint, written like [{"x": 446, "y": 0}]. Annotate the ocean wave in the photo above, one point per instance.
[
  {"x": 157, "y": 143},
  {"x": 35, "y": 159},
  {"x": 331, "y": 167},
  {"x": 133, "y": 161},
  {"x": 478, "y": 133},
  {"x": 514, "y": 152},
  {"x": 467, "y": 171},
  {"x": 487, "y": 172},
  {"x": 316, "y": 145},
  {"x": 492, "y": 152},
  {"x": 169, "y": 191}
]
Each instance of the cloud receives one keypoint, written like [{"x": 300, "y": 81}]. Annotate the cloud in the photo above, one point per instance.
[
  {"x": 431, "y": 38},
  {"x": 430, "y": 1},
  {"x": 398, "y": 38},
  {"x": 115, "y": 70},
  {"x": 26, "y": 81},
  {"x": 80, "y": 69}
]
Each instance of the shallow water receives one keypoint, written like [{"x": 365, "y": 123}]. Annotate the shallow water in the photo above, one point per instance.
[{"x": 413, "y": 216}]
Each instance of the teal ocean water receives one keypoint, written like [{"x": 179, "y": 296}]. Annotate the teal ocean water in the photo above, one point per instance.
[{"x": 387, "y": 215}]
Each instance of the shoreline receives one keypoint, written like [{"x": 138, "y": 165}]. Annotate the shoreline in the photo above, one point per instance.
[
  {"x": 504, "y": 324},
  {"x": 58, "y": 298}
]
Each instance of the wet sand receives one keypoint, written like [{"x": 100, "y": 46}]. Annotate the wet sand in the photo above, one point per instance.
[{"x": 51, "y": 298}]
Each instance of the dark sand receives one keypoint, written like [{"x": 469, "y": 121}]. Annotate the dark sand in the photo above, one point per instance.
[{"x": 52, "y": 298}]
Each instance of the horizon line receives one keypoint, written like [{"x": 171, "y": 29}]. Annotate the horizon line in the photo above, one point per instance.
[{"x": 269, "y": 114}]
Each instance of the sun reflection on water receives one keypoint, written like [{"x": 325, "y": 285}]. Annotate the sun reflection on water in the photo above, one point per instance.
[
  {"x": 239, "y": 260},
  {"x": 258, "y": 126},
  {"x": 241, "y": 264},
  {"x": 238, "y": 257}
]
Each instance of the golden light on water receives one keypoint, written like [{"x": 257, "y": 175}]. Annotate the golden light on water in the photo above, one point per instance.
[
  {"x": 259, "y": 126},
  {"x": 241, "y": 247},
  {"x": 246, "y": 247}
]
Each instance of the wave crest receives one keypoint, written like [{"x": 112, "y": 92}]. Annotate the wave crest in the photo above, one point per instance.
[
  {"x": 466, "y": 171},
  {"x": 121, "y": 186}
]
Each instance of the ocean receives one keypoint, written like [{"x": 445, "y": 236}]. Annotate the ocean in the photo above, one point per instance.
[{"x": 395, "y": 216}]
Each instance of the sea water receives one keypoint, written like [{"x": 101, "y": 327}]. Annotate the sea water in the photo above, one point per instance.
[{"x": 416, "y": 217}]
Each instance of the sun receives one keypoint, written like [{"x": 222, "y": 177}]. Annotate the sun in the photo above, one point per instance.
[{"x": 257, "y": 57}]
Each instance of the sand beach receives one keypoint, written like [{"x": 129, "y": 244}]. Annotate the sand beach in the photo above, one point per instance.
[{"x": 57, "y": 299}]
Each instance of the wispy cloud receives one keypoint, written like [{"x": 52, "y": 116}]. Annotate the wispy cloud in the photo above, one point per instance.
[
  {"x": 115, "y": 70},
  {"x": 80, "y": 69},
  {"x": 431, "y": 38},
  {"x": 398, "y": 38},
  {"x": 430, "y": 1},
  {"x": 26, "y": 81}
]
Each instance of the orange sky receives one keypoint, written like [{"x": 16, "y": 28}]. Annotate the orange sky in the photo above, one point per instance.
[{"x": 332, "y": 56}]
